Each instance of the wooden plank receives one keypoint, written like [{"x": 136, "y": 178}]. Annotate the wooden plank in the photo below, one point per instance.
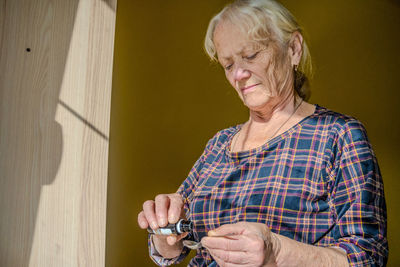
[{"x": 54, "y": 126}]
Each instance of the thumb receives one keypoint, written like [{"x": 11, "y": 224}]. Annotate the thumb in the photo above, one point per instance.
[
  {"x": 172, "y": 239},
  {"x": 227, "y": 229}
]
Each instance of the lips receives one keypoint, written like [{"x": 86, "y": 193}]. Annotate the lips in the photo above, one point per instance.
[{"x": 247, "y": 88}]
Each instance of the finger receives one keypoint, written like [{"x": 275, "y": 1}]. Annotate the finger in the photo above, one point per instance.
[
  {"x": 142, "y": 220},
  {"x": 148, "y": 210},
  {"x": 221, "y": 263},
  {"x": 175, "y": 208},
  {"x": 235, "y": 257},
  {"x": 171, "y": 240},
  {"x": 162, "y": 204},
  {"x": 228, "y": 229},
  {"x": 231, "y": 243}
]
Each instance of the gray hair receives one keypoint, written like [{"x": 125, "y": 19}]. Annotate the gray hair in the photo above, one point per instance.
[{"x": 262, "y": 19}]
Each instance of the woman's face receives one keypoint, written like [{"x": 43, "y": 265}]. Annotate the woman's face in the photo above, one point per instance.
[{"x": 261, "y": 74}]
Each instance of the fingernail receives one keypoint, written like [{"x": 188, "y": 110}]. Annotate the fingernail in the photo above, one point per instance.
[
  {"x": 163, "y": 221},
  {"x": 172, "y": 218},
  {"x": 154, "y": 225},
  {"x": 211, "y": 233},
  {"x": 171, "y": 240}
]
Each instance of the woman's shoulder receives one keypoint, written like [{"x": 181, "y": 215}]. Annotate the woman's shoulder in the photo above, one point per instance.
[
  {"x": 222, "y": 137},
  {"x": 338, "y": 123}
]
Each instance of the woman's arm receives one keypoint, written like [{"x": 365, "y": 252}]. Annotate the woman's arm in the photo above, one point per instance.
[
  {"x": 166, "y": 208},
  {"x": 294, "y": 253},
  {"x": 163, "y": 247},
  {"x": 163, "y": 250},
  {"x": 253, "y": 244}
]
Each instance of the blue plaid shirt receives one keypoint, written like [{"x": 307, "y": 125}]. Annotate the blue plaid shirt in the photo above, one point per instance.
[{"x": 318, "y": 183}]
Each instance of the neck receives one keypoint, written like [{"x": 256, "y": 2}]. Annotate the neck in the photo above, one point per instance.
[
  {"x": 281, "y": 109},
  {"x": 263, "y": 126}
]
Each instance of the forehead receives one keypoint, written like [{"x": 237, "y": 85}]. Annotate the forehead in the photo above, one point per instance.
[{"x": 230, "y": 40}]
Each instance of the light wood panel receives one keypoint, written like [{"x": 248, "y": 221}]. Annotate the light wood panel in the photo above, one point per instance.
[{"x": 56, "y": 61}]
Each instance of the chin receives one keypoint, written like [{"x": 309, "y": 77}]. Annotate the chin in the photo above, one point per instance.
[
  {"x": 255, "y": 106},
  {"x": 256, "y": 103}
]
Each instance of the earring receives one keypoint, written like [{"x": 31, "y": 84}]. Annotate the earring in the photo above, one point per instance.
[{"x": 295, "y": 67}]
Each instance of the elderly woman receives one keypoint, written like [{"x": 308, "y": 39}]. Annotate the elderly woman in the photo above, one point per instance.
[{"x": 295, "y": 185}]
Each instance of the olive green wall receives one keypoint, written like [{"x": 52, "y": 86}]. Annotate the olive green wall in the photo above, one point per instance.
[{"x": 168, "y": 99}]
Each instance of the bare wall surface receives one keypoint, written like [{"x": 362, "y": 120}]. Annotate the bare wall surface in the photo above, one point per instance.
[
  {"x": 168, "y": 99},
  {"x": 55, "y": 88}
]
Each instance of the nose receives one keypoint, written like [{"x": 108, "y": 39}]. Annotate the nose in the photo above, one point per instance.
[{"x": 241, "y": 73}]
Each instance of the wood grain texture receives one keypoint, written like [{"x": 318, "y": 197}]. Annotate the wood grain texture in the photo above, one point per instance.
[{"x": 56, "y": 60}]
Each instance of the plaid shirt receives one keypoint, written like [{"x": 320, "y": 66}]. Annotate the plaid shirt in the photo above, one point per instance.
[{"x": 317, "y": 183}]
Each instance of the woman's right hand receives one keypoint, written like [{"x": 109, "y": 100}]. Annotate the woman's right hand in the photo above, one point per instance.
[{"x": 164, "y": 209}]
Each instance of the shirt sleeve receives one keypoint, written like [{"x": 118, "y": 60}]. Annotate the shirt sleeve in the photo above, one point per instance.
[
  {"x": 160, "y": 260},
  {"x": 357, "y": 200}
]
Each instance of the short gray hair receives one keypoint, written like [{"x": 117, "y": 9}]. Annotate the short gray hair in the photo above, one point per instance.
[{"x": 261, "y": 19}]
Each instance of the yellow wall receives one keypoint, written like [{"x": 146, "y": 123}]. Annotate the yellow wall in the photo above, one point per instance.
[{"x": 168, "y": 100}]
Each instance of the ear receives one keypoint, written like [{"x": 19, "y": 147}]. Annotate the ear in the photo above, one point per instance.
[{"x": 296, "y": 48}]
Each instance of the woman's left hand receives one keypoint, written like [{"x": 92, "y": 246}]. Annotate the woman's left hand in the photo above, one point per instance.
[{"x": 243, "y": 243}]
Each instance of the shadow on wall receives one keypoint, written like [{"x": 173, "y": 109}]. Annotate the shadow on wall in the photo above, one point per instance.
[{"x": 34, "y": 47}]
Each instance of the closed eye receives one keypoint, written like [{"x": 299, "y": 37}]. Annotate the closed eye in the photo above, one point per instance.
[
  {"x": 228, "y": 67},
  {"x": 253, "y": 56}
]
